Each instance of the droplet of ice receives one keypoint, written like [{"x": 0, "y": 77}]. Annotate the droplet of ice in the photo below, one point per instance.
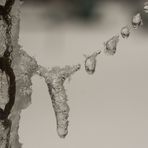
[
  {"x": 125, "y": 32},
  {"x": 90, "y": 63},
  {"x": 137, "y": 21},
  {"x": 111, "y": 45}
]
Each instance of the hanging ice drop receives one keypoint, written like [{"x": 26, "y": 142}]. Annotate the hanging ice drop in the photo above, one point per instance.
[
  {"x": 90, "y": 63},
  {"x": 111, "y": 45},
  {"x": 137, "y": 21},
  {"x": 125, "y": 32}
]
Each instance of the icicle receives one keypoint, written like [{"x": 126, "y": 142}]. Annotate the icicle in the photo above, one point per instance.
[
  {"x": 111, "y": 45},
  {"x": 90, "y": 63},
  {"x": 59, "y": 97},
  {"x": 125, "y": 32},
  {"x": 137, "y": 21},
  {"x": 55, "y": 79}
]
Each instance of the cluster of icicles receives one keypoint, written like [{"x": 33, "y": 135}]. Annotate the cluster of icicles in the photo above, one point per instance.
[{"x": 110, "y": 46}]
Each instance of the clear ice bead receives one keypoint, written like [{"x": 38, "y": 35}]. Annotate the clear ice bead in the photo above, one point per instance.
[
  {"x": 111, "y": 45},
  {"x": 125, "y": 32},
  {"x": 90, "y": 62},
  {"x": 137, "y": 21}
]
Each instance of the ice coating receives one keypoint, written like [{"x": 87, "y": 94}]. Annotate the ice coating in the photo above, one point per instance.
[
  {"x": 125, "y": 32},
  {"x": 90, "y": 63},
  {"x": 111, "y": 45},
  {"x": 55, "y": 79},
  {"x": 137, "y": 21}
]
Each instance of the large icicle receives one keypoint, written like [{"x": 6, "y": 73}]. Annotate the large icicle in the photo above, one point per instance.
[{"x": 55, "y": 81}]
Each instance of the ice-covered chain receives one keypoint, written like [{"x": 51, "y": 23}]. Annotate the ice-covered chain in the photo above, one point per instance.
[{"x": 110, "y": 45}]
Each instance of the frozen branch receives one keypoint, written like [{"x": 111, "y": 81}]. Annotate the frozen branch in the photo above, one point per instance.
[{"x": 110, "y": 46}]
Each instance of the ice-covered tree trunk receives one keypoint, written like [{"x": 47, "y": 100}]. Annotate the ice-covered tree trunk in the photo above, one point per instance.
[{"x": 15, "y": 83}]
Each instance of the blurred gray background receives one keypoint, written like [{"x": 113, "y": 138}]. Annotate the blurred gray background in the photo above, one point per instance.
[{"x": 108, "y": 109}]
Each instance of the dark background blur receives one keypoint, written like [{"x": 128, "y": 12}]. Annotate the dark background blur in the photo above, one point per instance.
[{"x": 85, "y": 10}]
